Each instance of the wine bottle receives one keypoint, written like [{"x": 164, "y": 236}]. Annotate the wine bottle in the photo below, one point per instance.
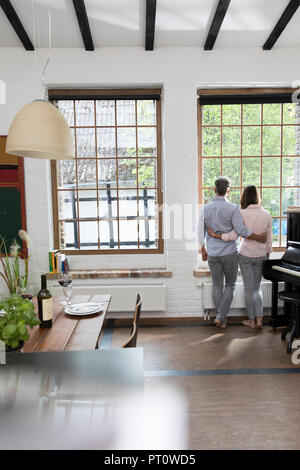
[{"x": 44, "y": 298}]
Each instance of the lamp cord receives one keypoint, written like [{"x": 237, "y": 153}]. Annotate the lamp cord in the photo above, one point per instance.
[{"x": 44, "y": 94}]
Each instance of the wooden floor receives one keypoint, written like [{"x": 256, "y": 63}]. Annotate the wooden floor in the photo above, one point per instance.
[{"x": 240, "y": 387}]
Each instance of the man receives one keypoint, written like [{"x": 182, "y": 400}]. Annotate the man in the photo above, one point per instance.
[{"x": 222, "y": 216}]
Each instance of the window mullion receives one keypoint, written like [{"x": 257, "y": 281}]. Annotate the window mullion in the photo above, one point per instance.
[{"x": 117, "y": 174}]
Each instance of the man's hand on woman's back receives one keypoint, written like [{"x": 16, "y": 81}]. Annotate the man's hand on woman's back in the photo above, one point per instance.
[
  {"x": 261, "y": 237},
  {"x": 258, "y": 237}
]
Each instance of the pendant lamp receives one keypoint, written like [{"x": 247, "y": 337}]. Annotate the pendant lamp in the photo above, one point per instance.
[{"x": 39, "y": 130}]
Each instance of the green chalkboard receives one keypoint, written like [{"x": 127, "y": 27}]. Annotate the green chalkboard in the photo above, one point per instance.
[{"x": 10, "y": 214}]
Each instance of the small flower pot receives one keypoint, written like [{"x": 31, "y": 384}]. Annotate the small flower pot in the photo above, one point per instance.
[{"x": 18, "y": 349}]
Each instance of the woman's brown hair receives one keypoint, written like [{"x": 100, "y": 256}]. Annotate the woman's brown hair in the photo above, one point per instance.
[{"x": 250, "y": 196}]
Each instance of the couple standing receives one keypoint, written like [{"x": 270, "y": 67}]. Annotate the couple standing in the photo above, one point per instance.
[{"x": 223, "y": 224}]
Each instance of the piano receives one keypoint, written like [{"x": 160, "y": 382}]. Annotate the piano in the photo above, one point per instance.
[{"x": 286, "y": 269}]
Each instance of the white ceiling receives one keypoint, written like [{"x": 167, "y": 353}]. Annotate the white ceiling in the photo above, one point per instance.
[{"x": 122, "y": 23}]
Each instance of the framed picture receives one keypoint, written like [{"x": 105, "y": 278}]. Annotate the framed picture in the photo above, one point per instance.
[{"x": 12, "y": 195}]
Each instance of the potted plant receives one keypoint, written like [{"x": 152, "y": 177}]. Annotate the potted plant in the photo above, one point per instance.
[
  {"x": 19, "y": 314},
  {"x": 15, "y": 280}
]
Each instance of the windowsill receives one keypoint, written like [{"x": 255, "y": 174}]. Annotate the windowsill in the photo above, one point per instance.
[
  {"x": 204, "y": 272},
  {"x": 201, "y": 272},
  {"x": 115, "y": 273}
]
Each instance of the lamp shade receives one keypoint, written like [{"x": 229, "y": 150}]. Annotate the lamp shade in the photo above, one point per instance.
[{"x": 39, "y": 130}]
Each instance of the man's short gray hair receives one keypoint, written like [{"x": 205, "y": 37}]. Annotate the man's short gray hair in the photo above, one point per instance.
[{"x": 222, "y": 184}]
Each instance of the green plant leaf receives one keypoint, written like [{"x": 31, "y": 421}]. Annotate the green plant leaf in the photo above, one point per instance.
[
  {"x": 22, "y": 330},
  {"x": 14, "y": 343},
  {"x": 9, "y": 330}
]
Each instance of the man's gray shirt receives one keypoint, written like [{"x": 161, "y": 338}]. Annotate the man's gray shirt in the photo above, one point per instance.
[{"x": 222, "y": 216}]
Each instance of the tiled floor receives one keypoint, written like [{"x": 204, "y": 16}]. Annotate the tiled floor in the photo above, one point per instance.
[{"x": 235, "y": 399}]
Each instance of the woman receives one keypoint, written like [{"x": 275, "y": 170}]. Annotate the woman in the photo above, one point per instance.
[{"x": 251, "y": 253}]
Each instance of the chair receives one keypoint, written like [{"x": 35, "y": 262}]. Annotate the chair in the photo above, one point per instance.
[
  {"x": 292, "y": 297},
  {"x": 131, "y": 342}
]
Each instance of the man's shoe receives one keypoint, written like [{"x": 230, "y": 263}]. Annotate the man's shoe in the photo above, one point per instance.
[{"x": 218, "y": 323}]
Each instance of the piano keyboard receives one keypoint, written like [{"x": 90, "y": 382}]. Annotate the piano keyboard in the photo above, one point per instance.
[{"x": 286, "y": 270}]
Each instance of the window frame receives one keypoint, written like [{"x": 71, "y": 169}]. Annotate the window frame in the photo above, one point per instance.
[
  {"x": 111, "y": 94},
  {"x": 209, "y": 96}
]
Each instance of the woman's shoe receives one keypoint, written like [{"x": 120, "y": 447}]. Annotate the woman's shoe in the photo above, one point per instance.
[{"x": 250, "y": 323}]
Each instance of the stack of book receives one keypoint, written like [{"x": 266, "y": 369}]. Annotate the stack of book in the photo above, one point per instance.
[{"x": 58, "y": 262}]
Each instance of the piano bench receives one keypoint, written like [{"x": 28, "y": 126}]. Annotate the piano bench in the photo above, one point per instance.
[{"x": 293, "y": 327}]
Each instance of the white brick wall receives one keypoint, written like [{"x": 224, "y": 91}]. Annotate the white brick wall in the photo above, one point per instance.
[{"x": 180, "y": 71}]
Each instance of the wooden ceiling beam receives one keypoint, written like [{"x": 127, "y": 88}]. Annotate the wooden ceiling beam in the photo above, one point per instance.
[
  {"x": 216, "y": 24},
  {"x": 84, "y": 24},
  {"x": 15, "y": 21},
  {"x": 150, "y": 24},
  {"x": 281, "y": 24}
]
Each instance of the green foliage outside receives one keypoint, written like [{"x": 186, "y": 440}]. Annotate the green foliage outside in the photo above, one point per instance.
[
  {"x": 146, "y": 166},
  {"x": 254, "y": 153}
]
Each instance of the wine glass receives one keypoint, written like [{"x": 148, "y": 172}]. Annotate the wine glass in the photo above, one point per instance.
[
  {"x": 65, "y": 280},
  {"x": 26, "y": 292}
]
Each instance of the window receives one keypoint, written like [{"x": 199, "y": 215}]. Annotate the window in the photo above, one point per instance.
[
  {"x": 106, "y": 200},
  {"x": 251, "y": 139}
]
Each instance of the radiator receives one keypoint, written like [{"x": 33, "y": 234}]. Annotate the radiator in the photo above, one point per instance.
[
  {"x": 238, "y": 298},
  {"x": 123, "y": 297}
]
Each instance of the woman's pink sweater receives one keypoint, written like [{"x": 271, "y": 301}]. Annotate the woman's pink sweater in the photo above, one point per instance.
[{"x": 258, "y": 220}]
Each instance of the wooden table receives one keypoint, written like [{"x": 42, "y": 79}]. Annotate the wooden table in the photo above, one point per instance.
[{"x": 69, "y": 333}]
